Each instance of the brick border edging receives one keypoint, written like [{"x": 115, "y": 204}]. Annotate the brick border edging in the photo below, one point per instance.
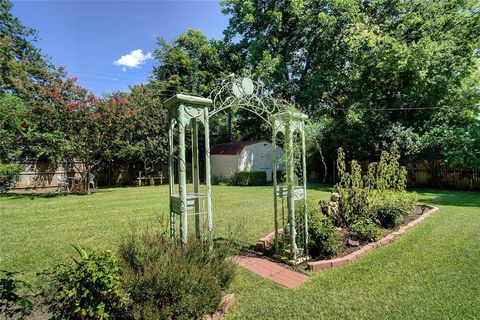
[
  {"x": 226, "y": 304},
  {"x": 264, "y": 243},
  {"x": 339, "y": 262}
]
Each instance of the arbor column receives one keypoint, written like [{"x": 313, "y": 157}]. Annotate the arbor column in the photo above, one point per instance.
[
  {"x": 274, "y": 180},
  {"x": 290, "y": 185},
  {"x": 196, "y": 176},
  {"x": 171, "y": 173},
  {"x": 304, "y": 170},
  {"x": 182, "y": 175},
  {"x": 208, "y": 180}
]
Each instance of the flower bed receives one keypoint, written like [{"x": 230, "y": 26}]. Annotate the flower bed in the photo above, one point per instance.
[
  {"x": 349, "y": 254},
  {"x": 346, "y": 259}
]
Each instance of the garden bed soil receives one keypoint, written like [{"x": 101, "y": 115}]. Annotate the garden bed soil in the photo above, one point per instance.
[
  {"x": 346, "y": 250},
  {"x": 345, "y": 235}
]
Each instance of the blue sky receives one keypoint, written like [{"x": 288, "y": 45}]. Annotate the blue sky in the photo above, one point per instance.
[{"x": 87, "y": 37}]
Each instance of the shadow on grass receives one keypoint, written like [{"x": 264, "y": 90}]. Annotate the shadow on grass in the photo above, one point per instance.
[
  {"x": 449, "y": 197},
  {"x": 32, "y": 196},
  {"x": 320, "y": 187},
  {"x": 234, "y": 246}
]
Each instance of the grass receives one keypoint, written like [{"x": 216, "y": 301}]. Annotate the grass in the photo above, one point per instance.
[
  {"x": 38, "y": 231},
  {"x": 432, "y": 272}
]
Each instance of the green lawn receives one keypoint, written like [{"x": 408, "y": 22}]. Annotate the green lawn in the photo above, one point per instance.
[{"x": 433, "y": 272}]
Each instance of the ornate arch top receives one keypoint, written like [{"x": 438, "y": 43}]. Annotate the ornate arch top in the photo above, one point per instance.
[{"x": 241, "y": 92}]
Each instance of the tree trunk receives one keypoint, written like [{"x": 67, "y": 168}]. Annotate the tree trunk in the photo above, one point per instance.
[{"x": 86, "y": 179}]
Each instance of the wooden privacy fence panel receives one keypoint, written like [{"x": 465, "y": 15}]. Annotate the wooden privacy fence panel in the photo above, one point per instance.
[
  {"x": 42, "y": 176},
  {"x": 437, "y": 175},
  {"x": 425, "y": 174}
]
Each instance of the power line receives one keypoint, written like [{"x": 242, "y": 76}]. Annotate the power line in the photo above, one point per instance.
[
  {"x": 393, "y": 109},
  {"x": 95, "y": 74}
]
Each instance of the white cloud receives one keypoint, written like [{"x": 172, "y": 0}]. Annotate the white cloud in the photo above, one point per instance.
[{"x": 133, "y": 60}]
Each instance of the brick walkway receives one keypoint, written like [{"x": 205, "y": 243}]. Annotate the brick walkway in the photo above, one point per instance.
[{"x": 271, "y": 270}]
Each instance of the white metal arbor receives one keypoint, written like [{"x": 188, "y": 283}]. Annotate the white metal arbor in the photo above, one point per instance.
[{"x": 243, "y": 93}]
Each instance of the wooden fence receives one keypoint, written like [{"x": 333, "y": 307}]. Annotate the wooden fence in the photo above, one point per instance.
[
  {"x": 425, "y": 174},
  {"x": 42, "y": 176}
]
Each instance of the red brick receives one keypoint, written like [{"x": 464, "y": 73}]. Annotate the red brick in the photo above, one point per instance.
[
  {"x": 360, "y": 252},
  {"x": 371, "y": 246},
  {"x": 288, "y": 278},
  {"x": 260, "y": 246},
  {"x": 351, "y": 257},
  {"x": 228, "y": 301},
  {"x": 397, "y": 234},
  {"x": 318, "y": 265},
  {"x": 412, "y": 224},
  {"x": 272, "y": 271},
  {"x": 386, "y": 240},
  {"x": 339, "y": 262}
]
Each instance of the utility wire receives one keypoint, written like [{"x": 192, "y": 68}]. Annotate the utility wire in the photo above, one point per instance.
[{"x": 393, "y": 109}]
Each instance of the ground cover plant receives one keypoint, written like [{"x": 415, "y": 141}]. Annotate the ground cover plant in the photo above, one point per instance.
[{"x": 15, "y": 299}]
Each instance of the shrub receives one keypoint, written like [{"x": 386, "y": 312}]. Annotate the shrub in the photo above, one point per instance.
[
  {"x": 9, "y": 176},
  {"x": 353, "y": 200},
  {"x": 354, "y": 189},
  {"x": 365, "y": 230},
  {"x": 323, "y": 239},
  {"x": 14, "y": 302},
  {"x": 387, "y": 174},
  {"x": 248, "y": 178},
  {"x": 390, "y": 207},
  {"x": 215, "y": 181},
  {"x": 90, "y": 288},
  {"x": 169, "y": 281}
]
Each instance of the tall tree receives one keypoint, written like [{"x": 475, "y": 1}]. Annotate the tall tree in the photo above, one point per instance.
[
  {"x": 369, "y": 65},
  {"x": 22, "y": 64}
]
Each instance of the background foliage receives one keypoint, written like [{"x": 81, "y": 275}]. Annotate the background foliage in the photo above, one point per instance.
[{"x": 367, "y": 72}]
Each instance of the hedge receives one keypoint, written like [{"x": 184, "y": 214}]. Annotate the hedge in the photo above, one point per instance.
[
  {"x": 249, "y": 178},
  {"x": 9, "y": 176}
]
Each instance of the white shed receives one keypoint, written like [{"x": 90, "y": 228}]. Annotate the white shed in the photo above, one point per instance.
[{"x": 243, "y": 156}]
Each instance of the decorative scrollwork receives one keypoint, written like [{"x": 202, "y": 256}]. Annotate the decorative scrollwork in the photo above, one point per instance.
[{"x": 241, "y": 92}]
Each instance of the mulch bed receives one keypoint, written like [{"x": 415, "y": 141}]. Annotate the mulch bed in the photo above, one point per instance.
[
  {"x": 345, "y": 234},
  {"x": 345, "y": 250}
]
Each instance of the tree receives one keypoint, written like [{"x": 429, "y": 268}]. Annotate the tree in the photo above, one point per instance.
[
  {"x": 12, "y": 122},
  {"x": 369, "y": 66},
  {"x": 95, "y": 129},
  {"x": 193, "y": 64},
  {"x": 146, "y": 140},
  {"x": 22, "y": 65},
  {"x": 190, "y": 64}
]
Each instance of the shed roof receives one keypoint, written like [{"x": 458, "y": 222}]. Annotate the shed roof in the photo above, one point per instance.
[{"x": 233, "y": 148}]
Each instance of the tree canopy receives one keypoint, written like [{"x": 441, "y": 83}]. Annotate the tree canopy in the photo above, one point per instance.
[{"x": 373, "y": 66}]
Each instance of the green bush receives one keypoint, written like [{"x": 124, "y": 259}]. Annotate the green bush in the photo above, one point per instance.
[
  {"x": 9, "y": 176},
  {"x": 215, "y": 181},
  {"x": 353, "y": 200},
  {"x": 14, "y": 299},
  {"x": 391, "y": 207},
  {"x": 89, "y": 288},
  {"x": 365, "y": 230},
  {"x": 168, "y": 280},
  {"x": 323, "y": 239},
  {"x": 248, "y": 178}
]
